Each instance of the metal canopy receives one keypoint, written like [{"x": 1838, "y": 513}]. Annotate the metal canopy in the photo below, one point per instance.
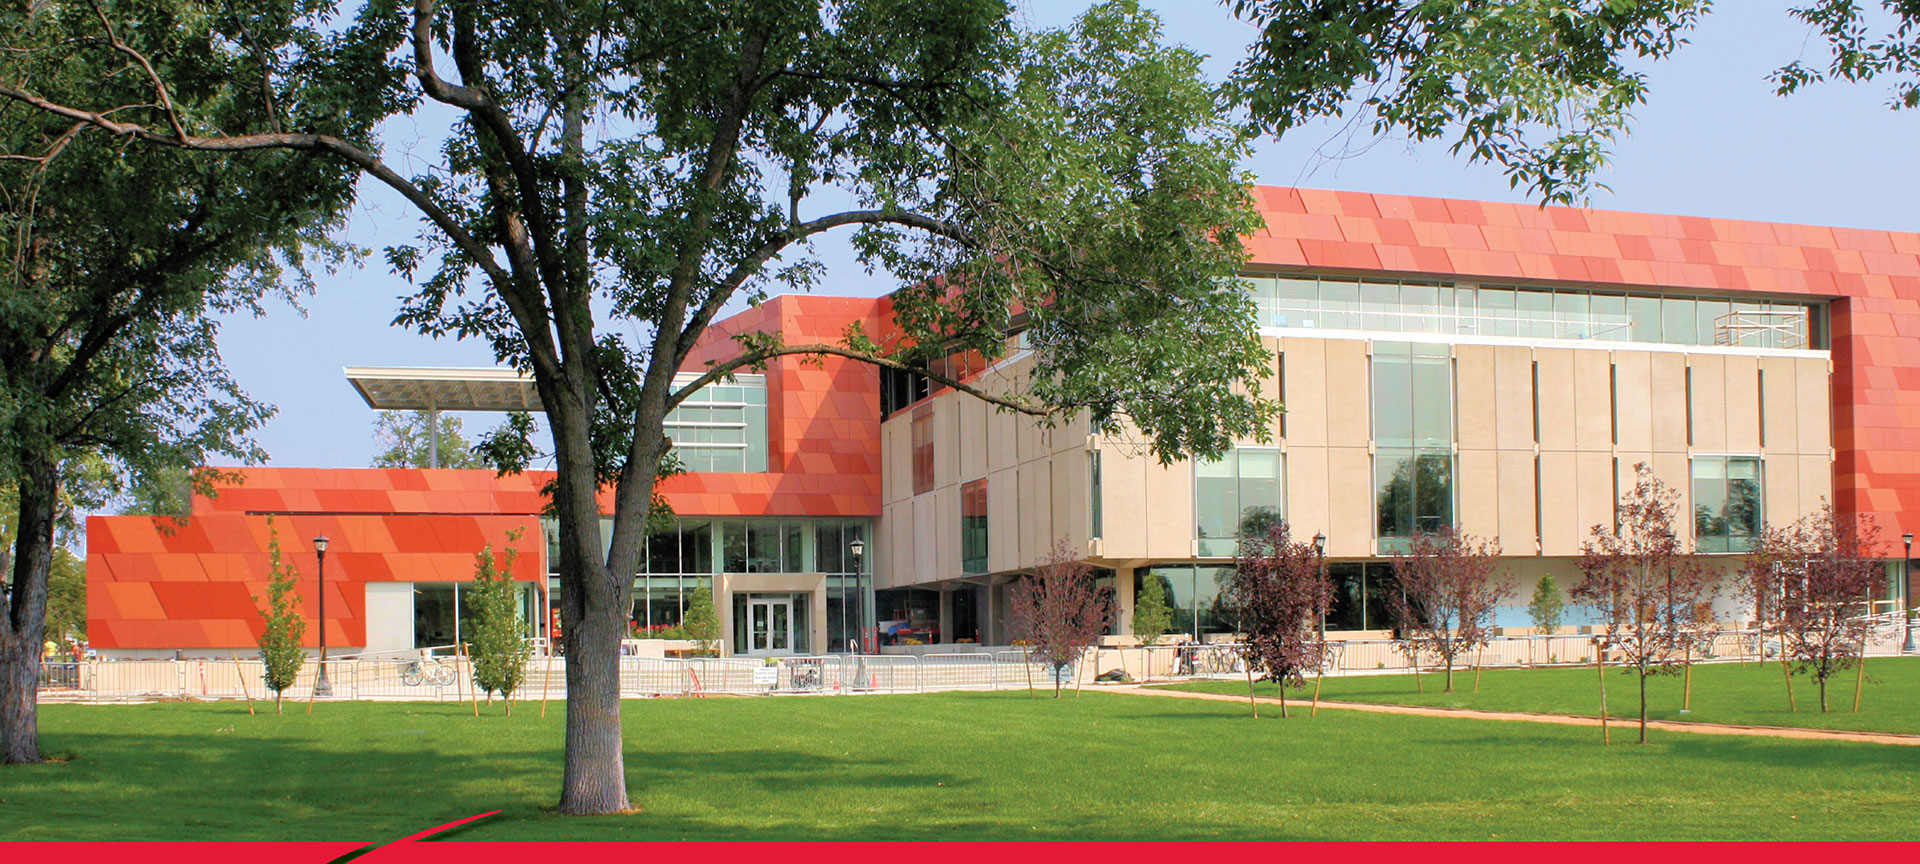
[{"x": 443, "y": 389}]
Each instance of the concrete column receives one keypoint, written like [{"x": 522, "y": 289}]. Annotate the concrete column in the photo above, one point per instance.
[
  {"x": 946, "y": 616},
  {"x": 1123, "y": 584}
]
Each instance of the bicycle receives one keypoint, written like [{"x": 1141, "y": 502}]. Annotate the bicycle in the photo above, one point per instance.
[{"x": 426, "y": 668}]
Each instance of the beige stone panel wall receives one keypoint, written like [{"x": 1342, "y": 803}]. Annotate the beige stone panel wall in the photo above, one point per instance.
[
  {"x": 1348, "y": 423},
  {"x": 896, "y": 465},
  {"x": 946, "y": 534},
  {"x": 1816, "y": 482},
  {"x": 1814, "y": 387},
  {"x": 1780, "y": 482},
  {"x": 1709, "y": 402},
  {"x": 1306, "y": 472},
  {"x": 1003, "y": 519},
  {"x": 1477, "y": 488},
  {"x": 1633, "y": 393},
  {"x": 1070, "y": 492},
  {"x": 1349, "y": 502},
  {"x": 1595, "y": 471},
  {"x": 1270, "y": 385},
  {"x": 1169, "y": 510},
  {"x": 1781, "y": 405},
  {"x": 1123, "y": 479},
  {"x": 1513, "y": 409},
  {"x": 1559, "y": 506},
  {"x": 1669, "y": 401},
  {"x": 1516, "y": 502},
  {"x": 1592, "y": 401},
  {"x": 926, "y": 555},
  {"x": 1742, "y": 389},
  {"x": 1556, "y": 398},
  {"x": 971, "y": 445},
  {"x": 1306, "y": 402},
  {"x": 1036, "y": 512},
  {"x": 1675, "y": 470},
  {"x": 1002, "y": 430},
  {"x": 893, "y": 564},
  {"x": 1476, "y": 392}
]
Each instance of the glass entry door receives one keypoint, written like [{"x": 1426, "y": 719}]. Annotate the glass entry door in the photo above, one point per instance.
[{"x": 770, "y": 626}]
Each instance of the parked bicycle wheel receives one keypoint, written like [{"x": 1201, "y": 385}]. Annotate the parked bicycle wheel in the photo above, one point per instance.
[
  {"x": 410, "y": 676},
  {"x": 443, "y": 675}
]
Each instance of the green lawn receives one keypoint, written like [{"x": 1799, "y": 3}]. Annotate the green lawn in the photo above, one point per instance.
[
  {"x": 1752, "y": 695},
  {"x": 956, "y": 766}
]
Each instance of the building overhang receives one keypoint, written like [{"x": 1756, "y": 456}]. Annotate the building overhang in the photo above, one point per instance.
[{"x": 409, "y": 388}]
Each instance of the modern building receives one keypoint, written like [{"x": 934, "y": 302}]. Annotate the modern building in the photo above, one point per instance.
[{"x": 1499, "y": 368}]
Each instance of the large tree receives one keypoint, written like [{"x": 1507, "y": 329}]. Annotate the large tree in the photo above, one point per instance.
[
  {"x": 117, "y": 257},
  {"x": 621, "y": 172}
]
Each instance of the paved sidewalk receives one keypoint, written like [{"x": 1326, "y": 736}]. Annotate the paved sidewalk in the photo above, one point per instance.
[{"x": 1625, "y": 724}]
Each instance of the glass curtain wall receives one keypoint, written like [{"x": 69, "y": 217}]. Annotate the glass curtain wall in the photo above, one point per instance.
[
  {"x": 441, "y": 614},
  {"x": 1413, "y": 441},
  {"x": 1196, "y": 595},
  {"x": 722, "y": 427},
  {"x": 686, "y": 557},
  {"x": 1534, "y": 313},
  {"x": 1728, "y": 503},
  {"x": 1239, "y": 495}
]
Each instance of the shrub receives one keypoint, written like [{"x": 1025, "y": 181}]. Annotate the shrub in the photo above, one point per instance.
[
  {"x": 499, "y": 648},
  {"x": 1151, "y": 617},
  {"x": 280, "y": 646},
  {"x": 1547, "y": 608}
]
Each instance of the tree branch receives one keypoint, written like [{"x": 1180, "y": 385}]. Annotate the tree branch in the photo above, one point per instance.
[
  {"x": 721, "y": 370},
  {"x": 721, "y": 293}
]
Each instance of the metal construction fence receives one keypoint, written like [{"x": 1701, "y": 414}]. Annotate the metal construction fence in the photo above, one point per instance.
[
  {"x": 429, "y": 678},
  {"x": 1360, "y": 656}
]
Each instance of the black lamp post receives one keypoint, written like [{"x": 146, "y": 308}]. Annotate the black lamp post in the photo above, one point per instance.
[
  {"x": 859, "y": 548},
  {"x": 1320, "y": 561},
  {"x": 1906, "y": 572},
  {"x": 320, "y": 686}
]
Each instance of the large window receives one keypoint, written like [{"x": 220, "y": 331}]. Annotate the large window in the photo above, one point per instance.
[
  {"x": 1196, "y": 596},
  {"x": 1727, "y": 502},
  {"x": 1536, "y": 313},
  {"x": 441, "y": 613},
  {"x": 1413, "y": 441},
  {"x": 1238, "y": 495},
  {"x": 1096, "y": 516},
  {"x": 722, "y": 427},
  {"x": 973, "y": 526}
]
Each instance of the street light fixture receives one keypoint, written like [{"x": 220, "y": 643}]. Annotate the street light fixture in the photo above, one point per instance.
[
  {"x": 320, "y": 686},
  {"x": 1320, "y": 561},
  {"x": 1906, "y": 571},
  {"x": 859, "y": 548}
]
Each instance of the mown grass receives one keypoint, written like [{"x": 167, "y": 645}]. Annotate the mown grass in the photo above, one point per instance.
[
  {"x": 955, "y": 766},
  {"x": 1750, "y": 694}
]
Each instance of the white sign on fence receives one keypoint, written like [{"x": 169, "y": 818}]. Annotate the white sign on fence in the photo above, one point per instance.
[{"x": 766, "y": 674}]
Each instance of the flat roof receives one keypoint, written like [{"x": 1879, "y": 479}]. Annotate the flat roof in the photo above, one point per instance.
[
  {"x": 428, "y": 388},
  {"x": 414, "y": 388}
]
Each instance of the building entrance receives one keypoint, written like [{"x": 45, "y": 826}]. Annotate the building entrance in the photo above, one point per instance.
[{"x": 769, "y": 626}]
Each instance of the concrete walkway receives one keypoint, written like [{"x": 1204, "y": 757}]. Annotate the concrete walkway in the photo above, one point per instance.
[{"x": 1625, "y": 725}]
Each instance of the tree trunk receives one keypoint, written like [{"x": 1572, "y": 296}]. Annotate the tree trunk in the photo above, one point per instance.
[
  {"x": 25, "y": 623},
  {"x": 1643, "y": 706},
  {"x": 1449, "y": 687},
  {"x": 1823, "y": 694}
]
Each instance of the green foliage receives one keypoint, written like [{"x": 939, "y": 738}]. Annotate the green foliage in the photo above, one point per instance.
[
  {"x": 280, "y": 647},
  {"x": 499, "y": 647},
  {"x": 1547, "y": 607},
  {"x": 404, "y": 442},
  {"x": 702, "y": 621},
  {"x": 1540, "y": 88},
  {"x": 67, "y": 599},
  {"x": 1859, "y": 53},
  {"x": 1151, "y": 617}
]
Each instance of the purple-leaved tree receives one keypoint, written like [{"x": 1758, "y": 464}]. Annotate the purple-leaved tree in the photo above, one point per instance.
[
  {"x": 1810, "y": 583},
  {"x": 1448, "y": 591},
  {"x": 1280, "y": 590},
  {"x": 1059, "y": 611}
]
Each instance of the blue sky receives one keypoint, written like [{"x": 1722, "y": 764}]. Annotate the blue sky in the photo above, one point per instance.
[{"x": 1713, "y": 141}]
